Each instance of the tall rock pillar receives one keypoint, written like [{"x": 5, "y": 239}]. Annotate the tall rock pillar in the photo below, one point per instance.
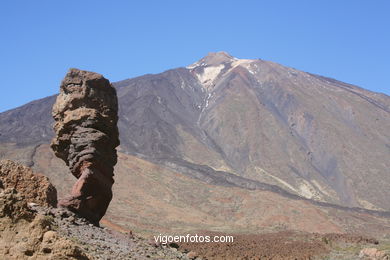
[{"x": 86, "y": 116}]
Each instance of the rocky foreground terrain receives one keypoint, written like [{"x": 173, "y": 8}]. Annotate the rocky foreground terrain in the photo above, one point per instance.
[{"x": 32, "y": 228}]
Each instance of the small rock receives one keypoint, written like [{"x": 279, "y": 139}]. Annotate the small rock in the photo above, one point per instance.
[
  {"x": 192, "y": 255},
  {"x": 174, "y": 245},
  {"x": 49, "y": 236},
  {"x": 46, "y": 250}
]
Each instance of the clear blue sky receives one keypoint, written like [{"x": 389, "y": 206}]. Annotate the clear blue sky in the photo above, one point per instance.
[{"x": 345, "y": 39}]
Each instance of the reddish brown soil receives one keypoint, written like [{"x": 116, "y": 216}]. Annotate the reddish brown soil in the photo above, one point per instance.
[{"x": 280, "y": 245}]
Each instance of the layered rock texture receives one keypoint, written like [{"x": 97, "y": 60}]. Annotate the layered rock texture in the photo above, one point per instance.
[{"x": 86, "y": 137}]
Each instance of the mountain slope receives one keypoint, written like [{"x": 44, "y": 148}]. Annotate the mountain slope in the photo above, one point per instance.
[{"x": 262, "y": 122}]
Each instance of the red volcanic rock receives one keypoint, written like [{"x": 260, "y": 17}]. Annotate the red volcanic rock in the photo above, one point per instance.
[
  {"x": 86, "y": 115},
  {"x": 34, "y": 188}
]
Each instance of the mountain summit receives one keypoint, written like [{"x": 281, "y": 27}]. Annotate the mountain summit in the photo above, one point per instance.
[
  {"x": 215, "y": 65},
  {"x": 213, "y": 59}
]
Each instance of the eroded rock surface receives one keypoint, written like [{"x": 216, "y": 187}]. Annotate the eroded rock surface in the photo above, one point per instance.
[
  {"x": 35, "y": 188},
  {"x": 24, "y": 234},
  {"x": 86, "y": 115}
]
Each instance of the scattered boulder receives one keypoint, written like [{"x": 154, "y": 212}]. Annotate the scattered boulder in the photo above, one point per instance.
[
  {"x": 86, "y": 115},
  {"x": 35, "y": 188},
  {"x": 192, "y": 255}
]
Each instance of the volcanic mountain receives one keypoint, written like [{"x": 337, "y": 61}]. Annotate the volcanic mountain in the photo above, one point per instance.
[{"x": 232, "y": 144}]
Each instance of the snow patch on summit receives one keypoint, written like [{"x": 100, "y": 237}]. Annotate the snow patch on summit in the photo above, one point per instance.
[
  {"x": 241, "y": 62},
  {"x": 210, "y": 68},
  {"x": 209, "y": 74},
  {"x": 247, "y": 64}
]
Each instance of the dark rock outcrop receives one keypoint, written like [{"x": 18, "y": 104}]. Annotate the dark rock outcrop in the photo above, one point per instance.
[{"x": 86, "y": 115}]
